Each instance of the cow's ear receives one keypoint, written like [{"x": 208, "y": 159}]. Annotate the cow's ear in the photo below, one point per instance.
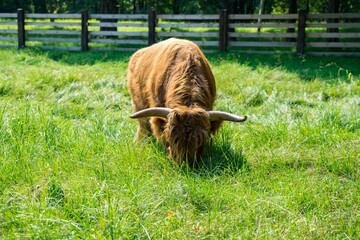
[{"x": 215, "y": 125}]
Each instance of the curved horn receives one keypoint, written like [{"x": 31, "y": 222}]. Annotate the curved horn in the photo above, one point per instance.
[
  {"x": 152, "y": 112},
  {"x": 224, "y": 116}
]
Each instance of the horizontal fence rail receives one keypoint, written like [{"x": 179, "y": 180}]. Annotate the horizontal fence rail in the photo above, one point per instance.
[
  {"x": 62, "y": 31},
  {"x": 8, "y": 30},
  {"x": 118, "y": 32},
  {"x": 201, "y": 29},
  {"x": 262, "y": 32},
  {"x": 315, "y": 34}
]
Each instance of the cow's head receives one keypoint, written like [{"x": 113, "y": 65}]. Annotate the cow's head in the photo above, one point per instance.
[{"x": 186, "y": 130}]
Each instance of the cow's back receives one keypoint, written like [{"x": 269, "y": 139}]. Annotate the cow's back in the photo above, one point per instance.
[{"x": 171, "y": 73}]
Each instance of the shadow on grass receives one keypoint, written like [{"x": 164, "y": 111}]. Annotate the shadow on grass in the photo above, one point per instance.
[
  {"x": 218, "y": 159},
  {"x": 80, "y": 58},
  {"x": 221, "y": 158},
  {"x": 308, "y": 68}
]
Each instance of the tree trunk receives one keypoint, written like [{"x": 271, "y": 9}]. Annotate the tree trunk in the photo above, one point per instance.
[
  {"x": 292, "y": 9},
  {"x": 134, "y": 6},
  {"x": 108, "y": 7},
  {"x": 261, "y": 9},
  {"x": 333, "y": 7},
  {"x": 176, "y": 6},
  {"x": 142, "y": 7},
  {"x": 232, "y": 7}
]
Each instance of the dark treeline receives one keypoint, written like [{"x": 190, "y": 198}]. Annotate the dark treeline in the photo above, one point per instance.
[{"x": 180, "y": 6}]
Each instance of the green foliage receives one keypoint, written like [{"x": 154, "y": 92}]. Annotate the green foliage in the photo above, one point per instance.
[
  {"x": 173, "y": 6},
  {"x": 69, "y": 169}
]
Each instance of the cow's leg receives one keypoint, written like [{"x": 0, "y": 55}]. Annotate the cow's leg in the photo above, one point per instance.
[{"x": 143, "y": 130}]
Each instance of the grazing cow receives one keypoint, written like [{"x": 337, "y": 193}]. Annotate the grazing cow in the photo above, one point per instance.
[{"x": 173, "y": 91}]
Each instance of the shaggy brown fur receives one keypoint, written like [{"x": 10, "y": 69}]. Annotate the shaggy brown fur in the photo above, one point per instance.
[{"x": 174, "y": 74}]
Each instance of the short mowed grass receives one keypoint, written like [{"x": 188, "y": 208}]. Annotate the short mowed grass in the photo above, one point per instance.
[{"x": 69, "y": 168}]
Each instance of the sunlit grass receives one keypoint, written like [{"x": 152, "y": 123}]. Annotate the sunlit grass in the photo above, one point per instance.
[{"x": 69, "y": 169}]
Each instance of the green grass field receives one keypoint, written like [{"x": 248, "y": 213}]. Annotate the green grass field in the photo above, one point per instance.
[{"x": 69, "y": 169}]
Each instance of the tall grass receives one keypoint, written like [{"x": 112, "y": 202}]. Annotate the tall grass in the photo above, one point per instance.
[{"x": 69, "y": 169}]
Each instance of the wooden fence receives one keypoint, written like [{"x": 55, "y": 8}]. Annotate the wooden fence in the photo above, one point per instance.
[{"x": 316, "y": 34}]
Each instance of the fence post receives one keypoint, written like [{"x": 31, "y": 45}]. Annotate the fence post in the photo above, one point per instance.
[
  {"x": 300, "y": 46},
  {"x": 223, "y": 30},
  {"x": 152, "y": 26},
  {"x": 84, "y": 31},
  {"x": 21, "y": 27}
]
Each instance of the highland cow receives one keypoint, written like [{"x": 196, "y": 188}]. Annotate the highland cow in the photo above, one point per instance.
[{"x": 173, "y": 92}]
